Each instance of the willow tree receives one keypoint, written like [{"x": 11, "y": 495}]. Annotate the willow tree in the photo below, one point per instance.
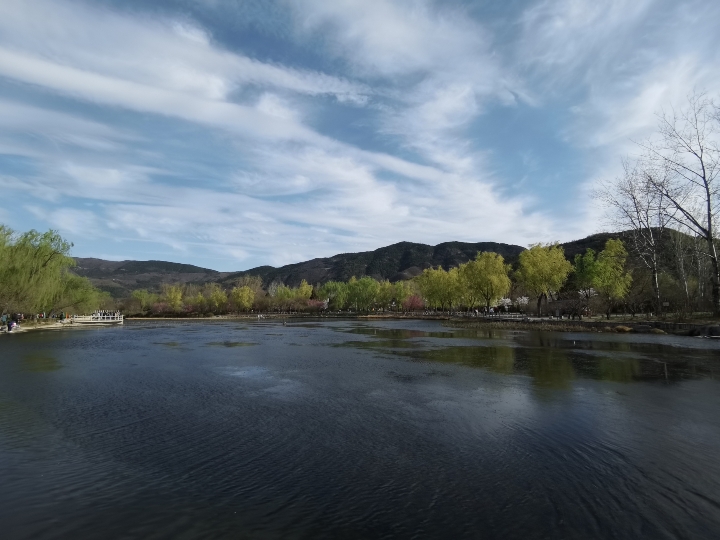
[
  {"x": 242, "y": 297},
  {"x": 440, "y": 288},
  {"x": 486, "y": 277},
  {"x": 35, "y": 275},
  {"x": 403, "y": 291},
  {"x": 429, "y": 284},
  {"x": 145, "y": 298},
  {"x": 362, "y": 293},
  {"x": 336, "y": 294},
  {"x": 283, "y": 296},
  {"x": 610, "y": 279},
  {"x": 543, "y": 270},
  {"x": 584, "y": 271},
  {"x": 255, "y": 284},
  {"x": 78, "y": 295},
  {"x": 385, "y": 294},
  {"x": 33, "y": 269},
  {"x": 216, "y": 297},
  {"x": 172, "y": 295},
  {"x": 303, "y": 291}
]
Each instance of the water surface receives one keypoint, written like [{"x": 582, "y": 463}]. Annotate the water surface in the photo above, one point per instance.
[{"x": 345, "y": 429}]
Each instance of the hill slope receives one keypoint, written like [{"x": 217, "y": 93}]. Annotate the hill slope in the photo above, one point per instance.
[
  {"x": 395, "y": 262},
  {"x": 120, "y": 278}
]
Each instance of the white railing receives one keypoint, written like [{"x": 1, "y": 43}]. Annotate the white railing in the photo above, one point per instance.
[{"x": 98, "y": 318}]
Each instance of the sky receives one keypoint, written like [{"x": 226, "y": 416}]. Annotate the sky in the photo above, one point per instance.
[{"x": 232, "y": 134}]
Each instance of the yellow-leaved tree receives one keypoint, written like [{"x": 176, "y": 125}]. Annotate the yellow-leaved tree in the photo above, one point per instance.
[
  {"x": 242, "y": 297},
  {"x": 173, "y": 297},
  {"x": 216, "y": 297},
  {"x": 304, "y": 290},
  {"x": 440, "y": 288},
  {"x": 486, "y": 278},
  {"x": 543, "y": 270}
]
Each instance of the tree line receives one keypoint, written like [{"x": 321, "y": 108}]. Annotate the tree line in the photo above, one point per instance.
[
  {"x": 35, "y": 276},
  {"x": 485, "y": 282}
]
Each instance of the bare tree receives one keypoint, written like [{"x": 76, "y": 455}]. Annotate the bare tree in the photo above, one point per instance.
[
  {"x": 688, "y": 152},
  {"x": 640, "y": 209},
  {"x": 680, "y": 252}
]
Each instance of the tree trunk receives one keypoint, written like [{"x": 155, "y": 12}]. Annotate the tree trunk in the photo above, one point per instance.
[
  {"x": 656, "y": 289},
  {"x": 539, "y": 304},
  {"x": 715, "y": 277}
]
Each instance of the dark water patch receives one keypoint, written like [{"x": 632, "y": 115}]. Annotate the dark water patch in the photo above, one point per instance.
[
  {"x": 174, "y": 345},
  {"x": 382, "y": 344},
  {"x": 445, "y": 333},
  {"x": 231, "y": 344},
  {"x": 415, "y": 377},
  {"x": 40, "y": 362},
  {"x": 393, "y": 333}
]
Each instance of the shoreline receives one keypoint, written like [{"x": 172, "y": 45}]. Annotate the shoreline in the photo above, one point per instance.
[
  {"x": 29, "y": 326},
  {"x": 704, "y": 328},
  {"x": 699, "y": 329}
]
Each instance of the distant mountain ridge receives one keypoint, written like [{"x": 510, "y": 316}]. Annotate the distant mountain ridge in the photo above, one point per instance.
[
  {"x": 403, "y": 260},
  {"x": 120, "y": 278}
]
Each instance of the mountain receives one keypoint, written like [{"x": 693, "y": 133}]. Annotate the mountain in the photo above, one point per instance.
[
  {"x": 403, "y": 260},
  {"x": 120, "y": 278},
  {"x": 594, "y": 241}
]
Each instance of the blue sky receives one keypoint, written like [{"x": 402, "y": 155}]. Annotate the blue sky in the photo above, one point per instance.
[{"x": 231, "y": 134}]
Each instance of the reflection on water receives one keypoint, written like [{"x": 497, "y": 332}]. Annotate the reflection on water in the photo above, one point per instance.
[
  {"x": 39, "y": 362},
  {"x": 550, "y": 368},
  {"x": 405, "y": 333},
  {"x": 553, "y": 360},
  {"x": 497, "y": 359},
  {"x": 619, "y": 370},
  {"x": 347, "y": 429}
]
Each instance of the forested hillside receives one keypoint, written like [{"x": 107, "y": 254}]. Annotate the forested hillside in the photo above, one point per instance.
[{"x": 120, "y": 278}]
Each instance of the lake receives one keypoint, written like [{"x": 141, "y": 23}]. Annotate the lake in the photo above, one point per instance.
[{"x": 357, "y": 429}]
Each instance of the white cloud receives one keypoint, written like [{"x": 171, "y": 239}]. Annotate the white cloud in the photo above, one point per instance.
[
  {"x": 345, "y": 206},
  {"x": 292, "y": 191},
  {"x": 106, "y": 90},
  {"x": 563, "y": 36},
  {"x": 79, "y": 223},
  {"x": 169, "y": 54},
  {"x": 439, "y": 63},
  {"x": 624, "y": 61}
]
